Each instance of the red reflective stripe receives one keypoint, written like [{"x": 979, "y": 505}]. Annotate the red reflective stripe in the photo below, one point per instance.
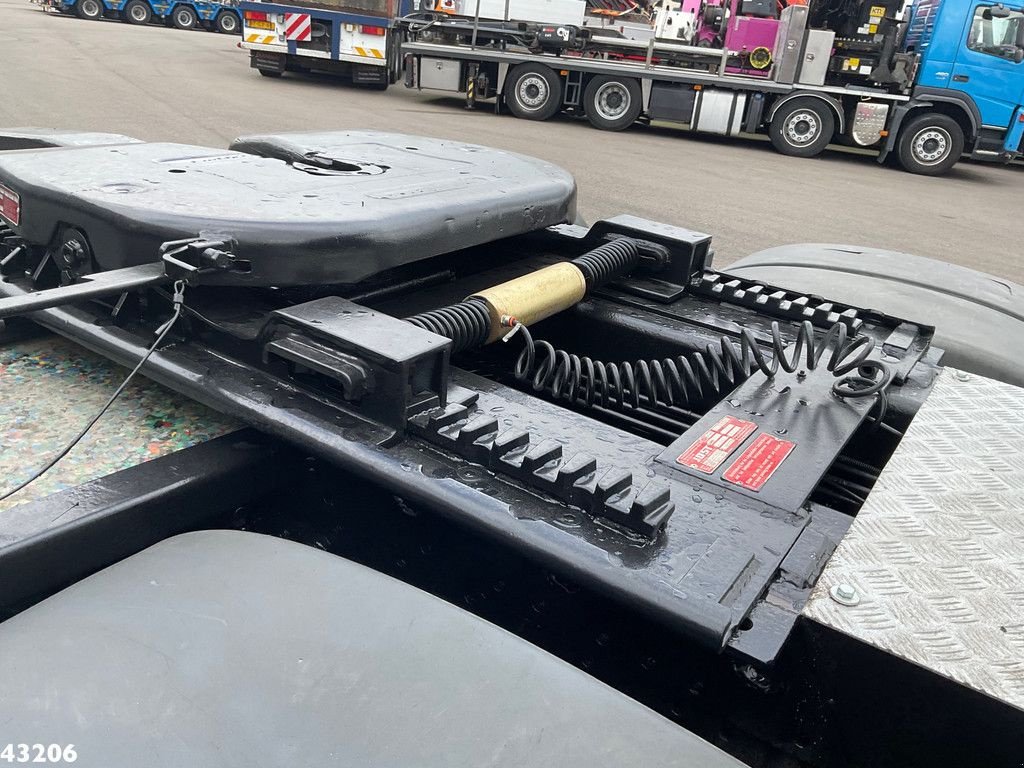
[{"x": 298, "y": 26}]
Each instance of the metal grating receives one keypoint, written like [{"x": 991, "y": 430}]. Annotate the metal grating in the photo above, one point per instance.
[{"x": 936, "y": 556}]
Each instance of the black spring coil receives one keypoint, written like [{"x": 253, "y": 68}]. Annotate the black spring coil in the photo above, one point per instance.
[
  {"x": 608, "y": 261},
  {"x": 467, "y": 324},
  {"x": 690, "y": 378}
]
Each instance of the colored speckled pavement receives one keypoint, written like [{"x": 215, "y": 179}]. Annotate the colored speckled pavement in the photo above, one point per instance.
[{"x": 50, "y": 388}]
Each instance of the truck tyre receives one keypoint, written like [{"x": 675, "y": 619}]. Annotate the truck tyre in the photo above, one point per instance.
[
  {"x": 802, "y": 127},
  {"x": 227, "y": 22},
  {"x": 184, "y": 17},
  {"x": 394, "y": 43},
  {"x": 533, "y": 92},
  {"x": 89, "y": 9},
  {"x": 137, "y": 12},
  {"x": 612, "y": 103},
  {"x": 930, "y": 144}
]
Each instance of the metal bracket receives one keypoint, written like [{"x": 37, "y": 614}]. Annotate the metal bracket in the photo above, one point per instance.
[
  {"x": 680, "y": 255},
  {"x": 188, "y": 258},
  {"x": 672, "y": 258},
  {"x": 180, "y": 260},
  {"x": 778, "y": 301},
  {"x": 548, "y": 465}
]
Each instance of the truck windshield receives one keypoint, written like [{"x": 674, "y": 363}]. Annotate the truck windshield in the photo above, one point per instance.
[{"x": 996, "y": 36}]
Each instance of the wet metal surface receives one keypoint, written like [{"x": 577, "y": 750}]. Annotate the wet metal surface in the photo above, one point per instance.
[{"x": 936, "y": 556}]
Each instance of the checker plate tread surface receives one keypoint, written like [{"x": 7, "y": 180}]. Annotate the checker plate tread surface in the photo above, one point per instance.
[{"x": 937, "y": 553}]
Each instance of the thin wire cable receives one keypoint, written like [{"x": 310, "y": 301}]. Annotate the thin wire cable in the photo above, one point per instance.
[{"x": 161, "y": 332}]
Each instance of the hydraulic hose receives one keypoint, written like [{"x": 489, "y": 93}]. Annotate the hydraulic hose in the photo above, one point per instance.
[{"x": 488, "y": 314}]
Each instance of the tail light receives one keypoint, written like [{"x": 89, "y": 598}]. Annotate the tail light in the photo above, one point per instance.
[
  {"x": 379, "y": 31},
  {"x": 256, "y": 16}
]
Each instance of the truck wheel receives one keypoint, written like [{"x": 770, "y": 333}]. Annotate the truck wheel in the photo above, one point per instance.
[
  {"x": 930, "y": 144},
  {"x": 802, "y": 127},
  {"x": 227, "y": 22},
  {"x": 184, "y": 17},
  {"x": 137, "y": 12},
  {"x": 612, "y": 103},
  {"x": 533, "y": 92},
  {"x": 89, "y": 9},
  {"x": 394, "y": 43}
]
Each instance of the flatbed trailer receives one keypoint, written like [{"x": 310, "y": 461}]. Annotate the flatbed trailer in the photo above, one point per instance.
[
  {"x": 213, "y": 15},
  {"x": 750, "y": 102}
]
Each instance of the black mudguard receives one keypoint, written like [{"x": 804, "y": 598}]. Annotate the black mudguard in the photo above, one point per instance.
[{"x": 979, "y": 318}]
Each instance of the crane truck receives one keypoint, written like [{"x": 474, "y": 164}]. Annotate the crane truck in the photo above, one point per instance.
[
  {"x": 663, "y": 504},
  {"x": 940, "y": 80}
]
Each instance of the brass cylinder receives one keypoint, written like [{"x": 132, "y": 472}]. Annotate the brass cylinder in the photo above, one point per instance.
[{"x": 533, "y": 297}]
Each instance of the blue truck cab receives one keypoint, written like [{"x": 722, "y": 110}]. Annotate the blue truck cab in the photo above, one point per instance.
[
  {"x": 971, "y": 73},
  {"x": 214, "y": 15}
]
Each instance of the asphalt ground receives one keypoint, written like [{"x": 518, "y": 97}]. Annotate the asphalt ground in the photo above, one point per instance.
[{"x": 162, "y": 84}]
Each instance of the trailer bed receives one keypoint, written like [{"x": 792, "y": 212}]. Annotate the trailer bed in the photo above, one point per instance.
[{"x": 638, "y": 69}]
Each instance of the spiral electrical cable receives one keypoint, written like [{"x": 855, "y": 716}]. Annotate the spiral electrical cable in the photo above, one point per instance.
[
  {"x": 691, "y": 377},
  {"x": 672, "y": 381}
]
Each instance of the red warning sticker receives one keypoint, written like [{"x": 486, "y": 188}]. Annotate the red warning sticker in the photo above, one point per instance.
[
  {"x": 708, "y": 452},
  {"x": 10, "y": 205},
  {"x": 759, "y": 462}
]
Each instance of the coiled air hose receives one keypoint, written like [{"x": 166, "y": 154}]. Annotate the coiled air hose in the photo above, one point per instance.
[
  {"x": 678, "y": 381},
  {"x": 689, "y": 378}
]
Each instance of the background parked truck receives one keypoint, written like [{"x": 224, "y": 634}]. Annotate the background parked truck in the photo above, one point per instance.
[
  {"x": 926, "y": 84},
  {"x": 353, "y": 38}
]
